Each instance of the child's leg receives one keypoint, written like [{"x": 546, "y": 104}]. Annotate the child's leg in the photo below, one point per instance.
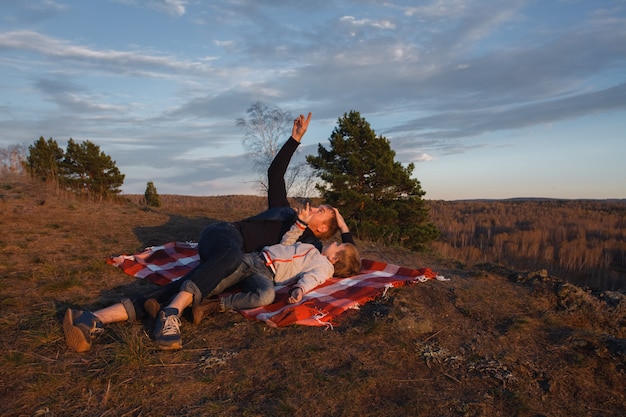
[{"x": 258, "y": 290}]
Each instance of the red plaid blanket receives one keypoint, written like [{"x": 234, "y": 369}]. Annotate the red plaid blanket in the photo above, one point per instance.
[{"x": 320, "y": 307}]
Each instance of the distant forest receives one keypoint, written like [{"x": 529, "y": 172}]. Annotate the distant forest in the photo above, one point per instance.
[{"x": 581, "y": 241}]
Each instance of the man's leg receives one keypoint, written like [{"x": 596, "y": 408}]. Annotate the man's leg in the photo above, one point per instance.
[
  {"x": 221, "y": 253},
  {"x": 167, "y": 323},
  {"x": 220, "y": 249},
  {"x": 81, "y": 327},
  {"x": 217, "y": 238}
]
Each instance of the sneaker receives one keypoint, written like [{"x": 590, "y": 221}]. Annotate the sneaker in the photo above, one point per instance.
[
  {"x": 167, "y": 330},
  {"x": 81, "y": 327},
  {"x": 206, "y": 308},
  {"x": 152, "y": 307}
]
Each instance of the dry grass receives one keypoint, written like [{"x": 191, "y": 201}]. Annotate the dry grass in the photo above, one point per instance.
[{"x": 489, "y": 342}]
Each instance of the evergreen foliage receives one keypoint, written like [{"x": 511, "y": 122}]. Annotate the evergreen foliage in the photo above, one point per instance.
[
  {"x": 82, "y": 168},
  {"x": 375, "y": 194},
  {"x": 151, "y": 195},
  {"x": 88, "y": 170},
  {"x": 43, "y": 160}
]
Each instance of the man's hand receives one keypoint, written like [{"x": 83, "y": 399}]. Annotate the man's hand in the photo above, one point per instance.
[
  {"x": 341, "y": 222},
  {"x": 295, "y": 295},
  {"x": 300, "y": 125}
]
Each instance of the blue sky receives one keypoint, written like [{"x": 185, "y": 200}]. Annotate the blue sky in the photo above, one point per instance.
[{"x": 489, "y": 98}]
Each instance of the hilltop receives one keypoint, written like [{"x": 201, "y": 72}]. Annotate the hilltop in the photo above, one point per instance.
[{"x": 491, "y": 341}]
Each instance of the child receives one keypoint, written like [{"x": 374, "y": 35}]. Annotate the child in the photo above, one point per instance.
[
  {"x": 296, "y": 264},
  {"x": 284, "y": 263}
]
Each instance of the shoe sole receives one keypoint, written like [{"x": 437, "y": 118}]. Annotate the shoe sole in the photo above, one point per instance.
[
  {"x": 202, "y": 310},
  {"x": 172, "y": 346},
  {"x": 74, "y": 337},
  {"x": 197, "y": 314},
  {"x": 152, "y": 307}
]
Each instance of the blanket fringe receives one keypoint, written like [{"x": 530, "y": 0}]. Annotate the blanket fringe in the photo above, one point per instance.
[
  {"x": 119, "y": 260},
  {"x": 386, "y": 288},
  {"x": 319, "y": 316}
]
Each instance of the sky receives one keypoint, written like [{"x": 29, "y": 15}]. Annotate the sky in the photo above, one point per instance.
[{"x": 488, "y": 98}]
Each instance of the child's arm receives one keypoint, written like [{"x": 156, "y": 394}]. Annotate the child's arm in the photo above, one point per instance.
[
  {"x": 295, "y": 295},
  {"x": 309, "y": 280},
  {"x": 292, "y": 235}
]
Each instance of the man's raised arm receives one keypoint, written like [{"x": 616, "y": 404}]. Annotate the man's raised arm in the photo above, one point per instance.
[{"x": 276, "y": 188}]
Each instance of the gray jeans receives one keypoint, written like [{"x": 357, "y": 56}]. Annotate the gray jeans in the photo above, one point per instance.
[{"x": 256, "y": 282}]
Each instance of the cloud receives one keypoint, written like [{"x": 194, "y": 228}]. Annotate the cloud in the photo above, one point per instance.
[
  {"x": 70, "y": 97},
  {"x": 129, "y": 62},
  {"x": 175, "y": 8},
  {"x": 211, "y": 176},
  {"x": 471, "y": 122},
  {"x": 439, "y": 8},
  {"x": 423, "y": 158},
  {"x": 378, "y": 24},
  {"x": 46, "y": 6},
  {"x": 33, "y": 12}
]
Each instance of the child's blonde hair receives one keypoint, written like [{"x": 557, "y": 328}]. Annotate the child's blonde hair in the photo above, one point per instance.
[{"x": 348, "y": 261}]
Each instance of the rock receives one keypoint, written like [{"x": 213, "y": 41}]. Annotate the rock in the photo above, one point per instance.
[{"x": 415, "y": 325}]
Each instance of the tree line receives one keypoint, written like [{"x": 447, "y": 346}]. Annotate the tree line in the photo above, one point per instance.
[{"x": 583, "y": 241}]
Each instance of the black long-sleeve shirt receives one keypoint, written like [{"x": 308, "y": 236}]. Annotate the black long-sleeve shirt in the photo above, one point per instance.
[{"x": 267, "y": 228}]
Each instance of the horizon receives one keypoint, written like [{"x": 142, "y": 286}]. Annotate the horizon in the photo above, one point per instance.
[{"x": 619, "y": 200}]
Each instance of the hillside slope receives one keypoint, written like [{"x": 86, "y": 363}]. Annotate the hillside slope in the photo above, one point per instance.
[{"x": 489, "y": 342}]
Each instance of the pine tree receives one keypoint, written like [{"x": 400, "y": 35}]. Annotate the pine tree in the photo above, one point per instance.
[
  {"x": 44, "y": 159},
  {"x": 375, "y": 194},
  {"x": 88, "y": 170},
  {"x": 151, "y": 195}
]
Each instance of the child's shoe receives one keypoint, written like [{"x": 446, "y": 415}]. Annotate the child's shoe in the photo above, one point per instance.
[
  {"x": 205, "y": 308},
  {"x": 152, "y": 307}
]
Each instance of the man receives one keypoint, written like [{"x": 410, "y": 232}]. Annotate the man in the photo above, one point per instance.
[{"x": 221, "y": 247}]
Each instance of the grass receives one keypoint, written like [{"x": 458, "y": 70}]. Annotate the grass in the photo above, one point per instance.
[{"x": 489, "y": 342}]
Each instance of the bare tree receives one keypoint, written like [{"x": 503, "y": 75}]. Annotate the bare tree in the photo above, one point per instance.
[
  {"x": 12, "y": 159},
  {"x": 303, "y": 181},
  {"x": 265, "y": 130}
]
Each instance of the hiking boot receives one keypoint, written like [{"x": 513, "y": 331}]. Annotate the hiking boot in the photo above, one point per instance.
[
  {"x": 152, "y": 307},
  {"x": 206, "y": 308},
  {"x": 167, "y": 330},
  {"x": 81, "y": 327}
]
